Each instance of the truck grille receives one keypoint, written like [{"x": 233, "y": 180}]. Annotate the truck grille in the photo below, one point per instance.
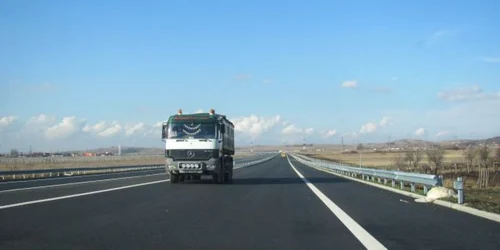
[{"x": 192, "y": 154}]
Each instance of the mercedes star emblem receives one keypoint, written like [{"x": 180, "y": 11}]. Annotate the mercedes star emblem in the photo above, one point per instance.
[{"x": 190, "y": 154}]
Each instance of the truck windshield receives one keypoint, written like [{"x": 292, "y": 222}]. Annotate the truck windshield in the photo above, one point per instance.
[{"x": 191, "y": 130}]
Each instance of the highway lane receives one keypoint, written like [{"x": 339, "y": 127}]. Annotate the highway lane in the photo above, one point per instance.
[
  {"x": 398, "y": 224},
  {"x": 51, "y": 192},
  {"x": 267, "y": 207},
  {"x": 21, "y": 184},
  {"x": 33, "y": 183}
]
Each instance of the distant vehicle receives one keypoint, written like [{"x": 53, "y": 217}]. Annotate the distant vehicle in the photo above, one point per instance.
[
  {"x": 199, "y": 144},
  {"x": 283, "y": 154}
]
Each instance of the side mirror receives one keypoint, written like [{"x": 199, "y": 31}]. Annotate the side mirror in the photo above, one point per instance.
[{"x": 164, "y": 131}]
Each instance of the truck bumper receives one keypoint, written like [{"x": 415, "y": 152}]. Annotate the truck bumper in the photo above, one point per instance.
[{"x": 192, "y": 167}]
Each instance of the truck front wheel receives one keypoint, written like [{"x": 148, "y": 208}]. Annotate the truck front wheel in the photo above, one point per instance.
[{"x": 174, "y": 178}]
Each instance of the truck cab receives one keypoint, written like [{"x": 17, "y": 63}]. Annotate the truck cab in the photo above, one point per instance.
[{"x": 198, "y": 144}]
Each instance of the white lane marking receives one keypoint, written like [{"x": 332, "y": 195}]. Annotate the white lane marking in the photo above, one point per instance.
[
  {"x": 80, "y": 194},
  {"x": 76, "y": 177},
  {"x": 359, "y": 232},
  {"x": 76, "y": 183}
]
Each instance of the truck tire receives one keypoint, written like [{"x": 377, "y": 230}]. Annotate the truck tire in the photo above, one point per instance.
[
  {"x": 181, "y": 177},
  {"x": 228, "y": 174},
  {"x": 215, "y": 178},
  {"x": 174, "y": 178},
  {"x": 196, "y": 177}
]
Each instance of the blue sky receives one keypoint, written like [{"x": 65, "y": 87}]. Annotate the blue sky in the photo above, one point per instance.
[{"x": 427, "y": 69}]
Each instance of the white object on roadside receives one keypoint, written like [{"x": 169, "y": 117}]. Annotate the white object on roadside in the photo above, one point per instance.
[{"x": 437, "y": 193}]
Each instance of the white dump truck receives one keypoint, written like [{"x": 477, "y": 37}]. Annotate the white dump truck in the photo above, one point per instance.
[{"x": 199, "y": 144}]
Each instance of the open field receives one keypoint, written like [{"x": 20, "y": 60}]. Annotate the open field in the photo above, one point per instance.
[
  {"x": 380, "y": 160},
  {"x": 484, "y": 199},
  {"x": 7, "y": 164}
]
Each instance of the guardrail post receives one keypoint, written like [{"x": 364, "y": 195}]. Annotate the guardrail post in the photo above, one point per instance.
[
  {"x": 426, "y": 189},
  {"x": 412, "y": 187},
  {"x": 459, "y": 186},
  {"x": 402, "y": 185},
  {"x": 393, "y": 183},
  {"x": 363, "y": 177},
  {"x": 385, "y": 181},
  {"x": 378, "y": 180}
]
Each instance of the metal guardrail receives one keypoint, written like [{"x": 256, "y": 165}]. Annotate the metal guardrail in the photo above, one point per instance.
[
  {"x": 23, "y": 174},
  {"x": 252, "y": 162},
  {"x": 37, "y": 173},
  {"x": 413, "y": 179}
]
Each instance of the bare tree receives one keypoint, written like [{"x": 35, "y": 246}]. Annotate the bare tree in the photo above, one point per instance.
[
  {"x": 399, "y": 161},
  {"x": 497, "y": 155},
  {"x": 484, "y": 155},
  {"x": 359, "y": 146},
  {"x": 470, "y": 154},
  {"x": 409, "y": 157},
  {"x": 417, "y": 157},
  {"x": 435, "y": 155}
]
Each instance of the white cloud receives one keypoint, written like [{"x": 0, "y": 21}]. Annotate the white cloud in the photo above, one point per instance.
[
  {"x": 349, "y": 84},
  {"x": 330, "y": 133},
  {"x": 199, "y": 111},
  {"x": 133, "y": 129},
  {"x": 491, "y": 59},
  {"x": 420, "y": 131},
  {"x": 294, "y": 130},
  {"x": 291, "y": 129},
  {"x": 154, "y": 130},
  {"x": 368, "y": 128},
  {"x": 442, "y": 133},
  {"x": 6, "y": 121},
  {"x": 386, "y": 121},
  {"x": 467, "y": 94},
  {"x": 254, "y": 125},
  {"x": 112, "y": 130},
  {"x": 103, "y": 129},
  {"x": 98, "y": 127},
  {"x": 41, "y": 119},
  {"x": 67, "y": 127}
]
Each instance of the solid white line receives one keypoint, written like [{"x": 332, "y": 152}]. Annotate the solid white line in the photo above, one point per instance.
[
  {"x": 75, "y": 177},
  {"x": 80, "y": 194},
  {"x": 359, "y": 232},
  {"x": 76, "y": 183}
]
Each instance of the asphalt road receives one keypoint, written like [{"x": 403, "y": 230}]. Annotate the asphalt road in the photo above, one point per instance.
[
  {"x": 33, "y": 183},
  {"x": 267, "y": 207}
]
